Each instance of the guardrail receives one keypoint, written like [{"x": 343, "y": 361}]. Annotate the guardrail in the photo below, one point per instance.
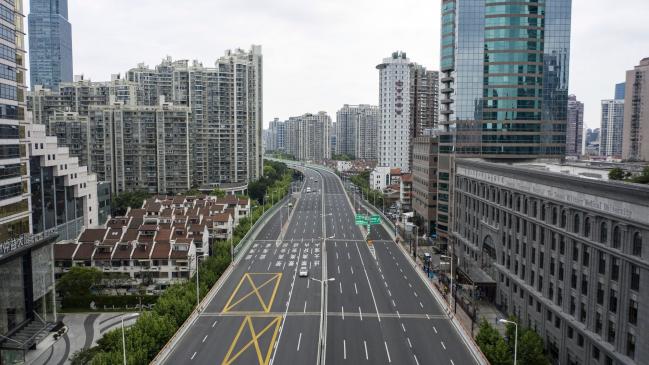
[{"x": 246, "y": 241}]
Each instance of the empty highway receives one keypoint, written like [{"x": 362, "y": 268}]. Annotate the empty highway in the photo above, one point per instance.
[{"x": 378, "y": 309}]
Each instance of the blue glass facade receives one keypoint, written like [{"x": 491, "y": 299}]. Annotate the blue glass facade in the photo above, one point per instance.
[
  {"x": 505, "y": 81},
  {"x": 50, "y": 43}
]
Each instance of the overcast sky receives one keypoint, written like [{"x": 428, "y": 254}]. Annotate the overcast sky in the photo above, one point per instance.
[{"x": 319, "y": 55}]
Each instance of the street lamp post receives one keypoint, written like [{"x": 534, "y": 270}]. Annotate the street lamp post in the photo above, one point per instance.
[
  {"x": 125, "y": 316},
  {"x": 502, "y": 320},
  {"x": 198, "y": 299}
]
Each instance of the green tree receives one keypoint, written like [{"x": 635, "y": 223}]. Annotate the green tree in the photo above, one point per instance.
[
  {"x": 220, "y": 193},
  {"x": 643, "y": 178},
  {"x": 500, "y": 354},
  {"x": 122, "y": 201},
  {"x": 487, "y": 337},
  {"x": 616, "y": 174},
  {"x": 530, "y": 349},
  {"x": 78, "y": 281}
]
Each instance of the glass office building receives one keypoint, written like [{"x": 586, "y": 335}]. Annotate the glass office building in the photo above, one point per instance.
[
  {"x": 50, "y": 43},
  {"x": 504, "y": 83},
  {"x": 505, "y": 77}
]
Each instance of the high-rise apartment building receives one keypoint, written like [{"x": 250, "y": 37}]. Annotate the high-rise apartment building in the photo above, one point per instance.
[
  {"x": 504, "y": 84},
  {"x": 137, "y": 147},
  {"x": 620, "y": 91},
  {"x": 277, "y": 135},
  {"x": 575, "y": 127},
  {"x": 308, "y": 137},
  {"x": 611, "y": 134},
  {"x": 394, "y": 104},
  {"x": 50, "y": 43},
  {"x": 225, "y": 104},
  {"x": 635, "y": 145},
  {"x": 424, "y": 100},
  {"x": 356, "y": 131},
  {"x": 424, "y": 180}
]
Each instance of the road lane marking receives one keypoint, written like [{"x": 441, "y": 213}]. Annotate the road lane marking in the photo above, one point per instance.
[
  {"x": 360, "y": 313},
  {"x": 352, "y": 270},
  {"x": 298, "y": 341},
  {"x": 214, "y": 324},
  {"x": 355, "y": 289},
  {"x": 398, "y": 315},
  {"x": 204, "y": 338},
  {"x": 348, "y": 257},
  {"x": 366, "y": 354},
  {"x": 376, "y": 307},
  {"x": 415, "y": 356},
  {"x": 194, "y": 355},
  {"x": 342, "y": 310},
  {"x": 452, "y": 363},
  {"x": 393, "y": 304},
  {"x": 389, "y": 292},
  {"x": 387, "y": 351},
  {"x": 409, "y": 343},
  {"x": 444, "y": 346},
  {"x": 304, "y": 311},
  {"x": 421, "y": 305},
  {"x": 340, "y": 284},
  {"x": 434, "y": 329},
  {"x": 416, "y": 294},
  {"x": 403, "y": 327},
  {"x": 344, "y": 350},
  {"x": 247, "y": 323},
  {"x": 338, "y": 267},
  {"x": 427, "y": 316}
]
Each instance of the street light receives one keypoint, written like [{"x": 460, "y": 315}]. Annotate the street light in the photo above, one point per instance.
[
  {"x": 125, "y": 316},
  {"x": 198, "y": 300},
  {"x": 323, "y": 281},
  {"x": 502, "y": 320}
]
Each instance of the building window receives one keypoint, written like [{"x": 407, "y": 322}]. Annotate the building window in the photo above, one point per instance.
[
  {"x": 612, "y": 301},
  {"x": 611, "y": 331},
  {"x": 637, "y": 244},
  {"x": 564, "y": 219},
  {"x": 630, "y": 345},
  {"x": 603, "y": 232},
  {"x": 615, "y": 268},
  {"x": 617, "y": 237},
  {"x": 576, "y": 224},
  {"x": 587, "y": 227},
  {"x": 633, "y": 312},
  {"x": 635, "y": 277}
]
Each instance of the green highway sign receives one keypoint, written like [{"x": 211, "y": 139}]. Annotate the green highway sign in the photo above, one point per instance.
[
  {"x": 361, "y": 220},
  {"x": 375, "y": 219}
]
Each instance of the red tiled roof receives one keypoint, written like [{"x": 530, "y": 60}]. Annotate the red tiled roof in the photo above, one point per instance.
[
  {"x": 92, "y": 235},
  {"x": 163, "y": 235},
  {"x": 153, "y": 207},
  {"x": 395, "y": 171},
  {"x": 407, "y": 178},
  {"x": 122, "y": 252},
  {"x": 166, "y": 212},
  {"x": 148, "y": 227},
  {"x": 130, "y": 235},
  {"x": 64, "y": 251},
  {"x": 84, "y": 252},
  {"x": 178, "y": 199},
  {"x": 114, "y": 234},
  {"x": 135, "y": 222},
  {"x": 178, "y": 254},
  {"x": 142, "y": 251},
  {"x": 139, "y": 213},
  {"x": 221, "y": 217},
  {"x": 117, "y": 222},
  {"x": 161, "y": 251}
]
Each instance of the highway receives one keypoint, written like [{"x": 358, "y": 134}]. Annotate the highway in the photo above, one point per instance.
[{"x": 378, "y": 309}]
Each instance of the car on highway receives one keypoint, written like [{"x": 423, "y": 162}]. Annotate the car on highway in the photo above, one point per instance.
[
  {"x": 304, "y": 272},
  {"x": 308, "y": 190}
]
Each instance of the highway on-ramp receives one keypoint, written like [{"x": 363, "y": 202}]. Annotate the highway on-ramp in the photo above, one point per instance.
[{"x": 378, "y": 309}]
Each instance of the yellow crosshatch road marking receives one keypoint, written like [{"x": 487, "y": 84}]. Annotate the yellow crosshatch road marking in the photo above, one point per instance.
[
  {"x": 261, "y": 358},
  {"x": 254, "y": 289}
]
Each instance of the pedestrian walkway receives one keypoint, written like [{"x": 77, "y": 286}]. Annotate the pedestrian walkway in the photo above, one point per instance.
[{"x": 83, "y": 331}]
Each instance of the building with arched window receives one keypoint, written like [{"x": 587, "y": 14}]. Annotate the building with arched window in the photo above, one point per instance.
[{"x": 566, "y": 253}]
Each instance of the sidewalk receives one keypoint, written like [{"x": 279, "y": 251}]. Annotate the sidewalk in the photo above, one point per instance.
[{"x": 84, "y": 330}]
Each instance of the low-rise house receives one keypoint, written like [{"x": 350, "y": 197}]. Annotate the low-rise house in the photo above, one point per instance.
[{"x": 158, "y": 243}]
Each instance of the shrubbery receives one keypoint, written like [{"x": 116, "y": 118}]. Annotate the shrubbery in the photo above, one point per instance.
[{"x": 153, "y": 329}]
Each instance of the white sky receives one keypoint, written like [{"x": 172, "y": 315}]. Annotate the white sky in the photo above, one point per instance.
[{"x": 319, "y": 55}]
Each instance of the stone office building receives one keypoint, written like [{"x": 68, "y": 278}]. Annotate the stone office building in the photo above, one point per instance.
[{"x": 564, "y": 254}]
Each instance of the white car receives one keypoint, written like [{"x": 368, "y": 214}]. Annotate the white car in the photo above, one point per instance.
[{"x": 304, "y": 272}]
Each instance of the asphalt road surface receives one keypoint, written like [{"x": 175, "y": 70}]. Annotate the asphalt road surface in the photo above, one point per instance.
[{"x": 378, "y": 310}]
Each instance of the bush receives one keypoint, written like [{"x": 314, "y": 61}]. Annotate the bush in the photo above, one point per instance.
[{"x": 153, "y": 329}]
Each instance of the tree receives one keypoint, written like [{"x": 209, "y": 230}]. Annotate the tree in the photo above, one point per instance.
[
  {"x": 500, "y": 355},
  {"x": 530, "y": 349},
  {"x": 219, "y": 193},
  {"x": 122, "y": 201},
  {"x": 616, "y": 174},
  {"x": 487, "y": 337},
  {"x": 643, "y": 178},
  {"x": 78, "y": 281}
]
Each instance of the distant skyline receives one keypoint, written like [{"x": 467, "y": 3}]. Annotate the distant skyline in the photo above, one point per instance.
[{"x": 321, "y": 55}]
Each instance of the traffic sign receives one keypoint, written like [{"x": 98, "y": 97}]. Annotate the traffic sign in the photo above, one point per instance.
[
  {"x": 375, "y": 219},
  {"x": 361, "y": 220}
]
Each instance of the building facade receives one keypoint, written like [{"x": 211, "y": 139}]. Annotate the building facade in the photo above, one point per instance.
[
  {"x": 504, "y": 85},
  {"x": 636, "y": 114},
  {"x": 611, "y": 130},
  {"x": 561, "y": 252},
  {"x": 424, "y": 99},
  {"x": 50, "y": 43},
  {"x": 138, "y": 147},
  {"x": 394, "y": 104},
  {"x": 356, "y": 131},
  {"x": 575, "y": 127},
  {"x": 63, "y": 192},
  {"x": 277, "y": 136},
  {"x": 308, "y": 137},
  {"x": 424, "y": 180}
]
